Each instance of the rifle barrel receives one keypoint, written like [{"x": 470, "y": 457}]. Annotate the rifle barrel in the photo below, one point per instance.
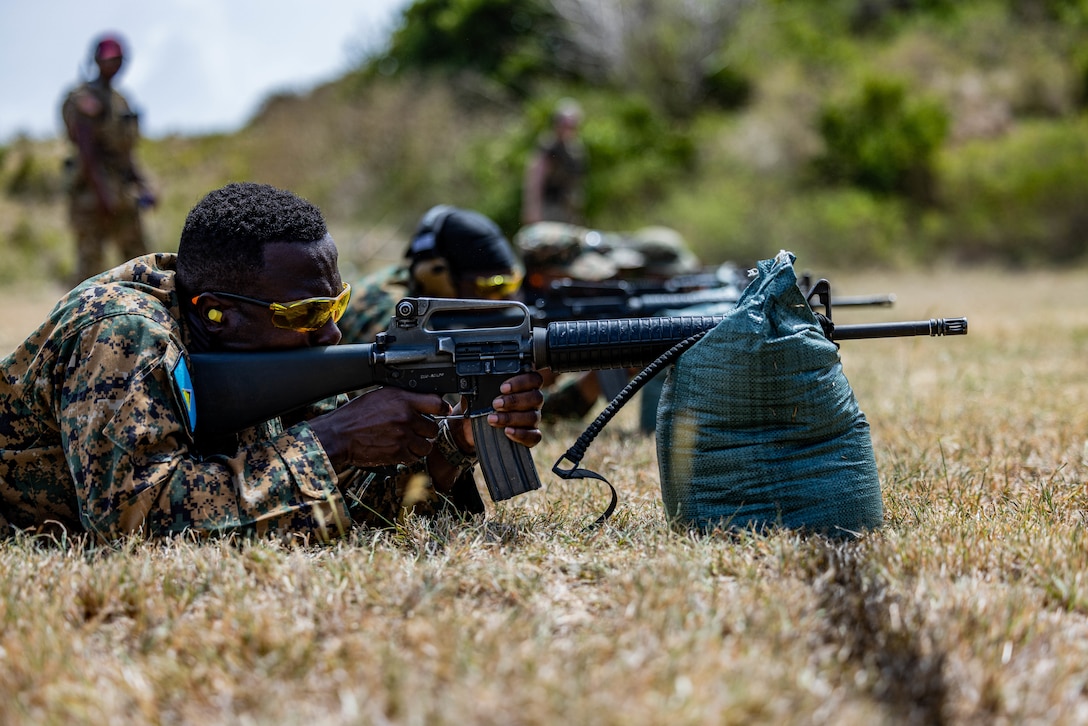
[
  {"x": 584, "y": 345},
  {"x": 932, "y": 327}
]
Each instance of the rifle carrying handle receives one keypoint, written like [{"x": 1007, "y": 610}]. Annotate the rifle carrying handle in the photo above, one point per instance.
[{"x": 507, "y": 466}]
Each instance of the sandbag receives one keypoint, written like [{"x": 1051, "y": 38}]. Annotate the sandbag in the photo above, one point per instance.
[{"x": 757, "y": 425}]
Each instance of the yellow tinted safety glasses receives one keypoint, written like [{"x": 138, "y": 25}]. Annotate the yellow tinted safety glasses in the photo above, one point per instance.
[
  {"x": 498, "y": 286},
  {"x": 313, "y": 313}
]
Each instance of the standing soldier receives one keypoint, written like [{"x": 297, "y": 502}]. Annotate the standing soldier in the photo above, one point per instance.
[
  {"x": 106, "y": 190},
  {"x": 555, "y": 178}
]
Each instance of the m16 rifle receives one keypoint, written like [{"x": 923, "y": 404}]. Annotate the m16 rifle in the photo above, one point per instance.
[
  {"x": 566, "y": 298},
  {"x": 465, "y": 347}
]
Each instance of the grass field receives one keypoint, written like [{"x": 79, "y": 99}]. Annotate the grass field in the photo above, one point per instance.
[{"x": 970, "y": 605}]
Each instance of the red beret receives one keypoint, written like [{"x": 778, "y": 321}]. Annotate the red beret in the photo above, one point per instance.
[{"x": 108, "y": 48}]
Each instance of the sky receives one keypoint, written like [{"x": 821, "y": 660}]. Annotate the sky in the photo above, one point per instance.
[{"x": 191, "y": 66}]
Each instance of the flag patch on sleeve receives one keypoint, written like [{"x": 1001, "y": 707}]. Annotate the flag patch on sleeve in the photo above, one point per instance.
[{"x": 183, "y": 388}]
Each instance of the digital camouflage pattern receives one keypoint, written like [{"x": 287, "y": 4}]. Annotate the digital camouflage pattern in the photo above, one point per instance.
[
  {"x": 95, "y": 434},
  {"x": 114, "y": 132},
  {"x": 380, "y": 496}
]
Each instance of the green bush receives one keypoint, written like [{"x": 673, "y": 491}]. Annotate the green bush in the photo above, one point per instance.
[
  {"x": 873, "y": 16},
  {"x": 753, "y": 217},
  {"x": 727, "y": 88},
  {"x": 726, "y": 216},
  {"x": 883, "y": 141},
  {"x": 635, "y": 156},
  {"x": 1020, "y": 198},
  {"x": 32, "y": 177},
  {"x": 1080, "y": 78},
  {"x": 1068, "y": 12},
  {"x": 511, "y": 41},
  {"x": 850, "y": 228}
]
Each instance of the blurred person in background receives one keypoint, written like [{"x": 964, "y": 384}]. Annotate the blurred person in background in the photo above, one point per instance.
[
  {"x": 555, "y": 253},
  {"x": 453, "y": 253},
  {"x": 554, "y": 185},
  {"x": 106, "y": 189}
]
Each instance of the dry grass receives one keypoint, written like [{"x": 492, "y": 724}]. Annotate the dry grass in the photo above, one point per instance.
[{"x": 969, "y": 606}]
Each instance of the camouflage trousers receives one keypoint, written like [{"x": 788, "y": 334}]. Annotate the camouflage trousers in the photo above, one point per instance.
[{"x": 93, "y": 227}]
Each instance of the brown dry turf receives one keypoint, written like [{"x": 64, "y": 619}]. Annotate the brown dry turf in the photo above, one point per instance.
[{"x": 970, "y": 605}]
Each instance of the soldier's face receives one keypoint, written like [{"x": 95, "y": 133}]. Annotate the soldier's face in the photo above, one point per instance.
[
  {"x": 291, "y": 272},
  {"x": 109, "y": 67},
  {"x": 567, "y": 127}
]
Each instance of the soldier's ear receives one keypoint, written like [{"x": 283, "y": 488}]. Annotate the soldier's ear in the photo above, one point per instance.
[{"x": 210, "y": 310}]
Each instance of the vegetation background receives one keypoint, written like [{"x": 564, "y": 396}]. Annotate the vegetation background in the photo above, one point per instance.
[
  {"x": 853, "y": 132},
  {"x": 935, "y": 149}
]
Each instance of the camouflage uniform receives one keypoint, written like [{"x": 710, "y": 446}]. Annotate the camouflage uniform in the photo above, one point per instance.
[
  {"x": 564, "y": 180},
  {"x": 663, "y": 250},
  {"x": 114, "y": 131},
  {"x": 96, "y": 432},
  {"x": 559, "y": 249}
]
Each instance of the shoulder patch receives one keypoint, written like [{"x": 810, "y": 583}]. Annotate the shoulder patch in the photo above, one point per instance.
[{"x": 183, "y": 389}]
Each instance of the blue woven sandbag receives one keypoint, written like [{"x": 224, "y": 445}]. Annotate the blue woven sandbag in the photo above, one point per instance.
[{"x": 757, "y": 425}]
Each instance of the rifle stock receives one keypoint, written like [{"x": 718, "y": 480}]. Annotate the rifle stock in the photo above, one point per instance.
[
  {"x": 465, "y": 347},
  {"x": 239, "y": 390}
]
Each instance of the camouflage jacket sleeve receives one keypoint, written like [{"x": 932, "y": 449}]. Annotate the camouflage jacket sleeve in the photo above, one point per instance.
[{"x": 127, "y": 437}]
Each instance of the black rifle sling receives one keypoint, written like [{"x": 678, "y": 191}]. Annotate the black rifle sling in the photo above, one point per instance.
[{"x": 578, "y": 450}]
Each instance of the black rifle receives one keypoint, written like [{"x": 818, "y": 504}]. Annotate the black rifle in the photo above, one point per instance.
[
  {"x": 466, "y": 347},
  {"x": 570, "y": 299}
]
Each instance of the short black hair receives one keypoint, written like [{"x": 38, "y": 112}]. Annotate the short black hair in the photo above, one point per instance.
[{"x": 222, "y": 242}]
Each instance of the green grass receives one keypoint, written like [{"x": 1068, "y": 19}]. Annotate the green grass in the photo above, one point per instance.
[{"x": 970, "y": 605}]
